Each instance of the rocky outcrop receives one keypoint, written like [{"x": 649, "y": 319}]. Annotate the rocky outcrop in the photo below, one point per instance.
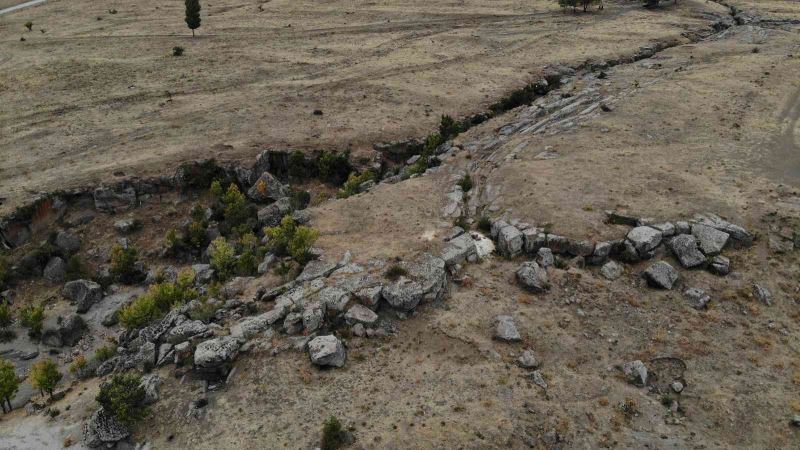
[
  {"x": 66, "y": 332},
  {"x": 216, "y": 355},
  {"x": 103, "y": 430},
  {"x": 84, "y": 293},
  {"x": 426, "y": 281}
]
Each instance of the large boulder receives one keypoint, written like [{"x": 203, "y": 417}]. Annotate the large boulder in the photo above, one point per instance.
[
  {"x": 151, "y": 384},
  {"x": 661, "y": 275},
  {"x": 459, "y": 249},
  {"x": 67, "y": 242},
  {"x": 55, "y": 271},
  {"x": 327, "y": 351},
  {"x": 250, "y": 326},
  {"x": 360, "y": 314},
  {"x": 268, "y": 189},
  {"x": 84, "y": 293},
  {"x": 103, "y": 430},
  {"x": 644, "y": 240},
  {"x": 216, "y": 355},
  {"x": 426, "y": 281},
  {"x": 685, "y": 249},
  {"x": 533, "y": 277},
  {"x": 186, "y": 330},
  {"x": 510, "y": 241},
  {"x": 737, "y": 233},
  {"x": 711, "y": 240},
  {"x": 271, "y": 215},
  {"x": 505, "y": 329},
  {"x": 66, "y": 332}
]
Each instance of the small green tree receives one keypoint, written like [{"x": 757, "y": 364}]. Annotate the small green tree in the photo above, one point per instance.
[
  {"x": 9, "y": 384},
  {"x": 124, "y": 398},
  {"x": 301, "y": 243},
  {"x": 288, "y": 238},
  {"x": 333, "y": 435},
  {"x": 223, "y": 258},
  {"x": 193, "y": 15},
  {"x": 29, "y": 25},
  {"x": 45, "y": 376},
  {"x": 32, "y": 318},
  {"x": 123, "y": 263}
]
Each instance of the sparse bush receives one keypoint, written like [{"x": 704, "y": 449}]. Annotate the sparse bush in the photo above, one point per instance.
[
  {"x": 78, "y": 365},
  {"x": 297, "y": 165},
  {"x": 158, "y": 301},
  {"x": 250, "y": 254},
  {"x": 288, "y": 238},
  {"x": 236, "y": 208},
  {"x": 205, "y": 311},
  {"x": 485, "y": 224},
  {"x": 6, "y": 317},
  {"x": 466, "y": 183},
  {"x": 75, "y": 269},
  {"x": 45, "y": 376},
  {"x": 333, "y": 167},
  {"x": 32, "y": 318},
  {"x": 29, "y": 25},
  {"x": 105, "y": 353},
  {"x": 9, "y": 384},
  {"x": 124, "y": 398},
  {"x": 123, "y": 263},
  {"x": 177, "y": 51},
  {"x": 448, "y": 128},
  {"x": 395, "y": 271},
  {"x": 353, "y": 182},
  {"x": 301, "y": 199},
  {"x": 333, "y": 435},
  {"x": 223, "y": 259}
]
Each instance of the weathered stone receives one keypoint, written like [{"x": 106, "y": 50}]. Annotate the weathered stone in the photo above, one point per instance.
[
  {"x": 509, "y": 241},
  {"x": 533, "y": 239},
  {"x": 710, "y": 240},
  {"x": 146, "y": 356},
  {"x": 313, "y": 316},
  {"x": 497, "y": 225},
  {"x": 697, "y": 298},
  {"x": 334, "y": 298},
  {"x": 644, "y": 240},
  {"x": 360, "y": 314},
  {"x": 186, "y": 330},
  {"x": 626, "y": 251},
  {"x": 369, "y": 296},
  {"x": 667, "y": 229},
  {"x": 505, "y": 329},
  {"x": 110, "y": 199},
  {"x": 580, "y": 248},
  {"x": 216, "y": 353},
  {"x": 635, "y": 372},
  {"x": 125, "y": 226},
  {"x": 268, "y": 189},
  {"x": 293, "y": 323},
  {"x": 533, "y": 277},
  {"x": 166, "y": 354},
  {"x": 151, "y": 384},
  {"x": 102, "y": 429},
  {"x": 250, "y": 326},
  {"x": 618, "y": 218},
  {"x": 611, "y": 270},
  {"x": 270, "y": 216},
  {"x": 776, "y": 244},
  {"x": 459, "y": 249},
  {"x": 762, "y": 294},
  {"x": 55, "y": 271},
  {"x": 737, "y": 233},
  {"x": 426, "y": 281},
  {"x": 269, "y": 260},
  {"x": 684, "y": 247},
  {"x": 327, "y": 351},
  {"x": 302, "y": 216},
  {"x": 528, "y": 360},
  {"x": 316, "y": 269},
  {"x": 66, "y": 332},
  {"x": 545, "y": 258},
  {"x": 84, "y": 293},
  {"x": 203, "y": 273},
  {"x": 602, "y": 250},
  {"x": 682, "y": 227},
  {"x": 557, "y": 244},
  {"x": 661, "y": 275},
  {"x": 720, "y": 265},
  {"x": 67, "y": 242},
  {"x": 538, "y": 379}
]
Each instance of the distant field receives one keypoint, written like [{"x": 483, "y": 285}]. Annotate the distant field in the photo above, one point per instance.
[{"x": 100, "y": 92}]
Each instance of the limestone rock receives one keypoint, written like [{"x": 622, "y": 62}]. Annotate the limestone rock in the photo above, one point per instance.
[
  {"x": 360, "y": 314},
  {"x": 528, "y": 360},
  {"x": 216, "y": 353},
  {"x": 426, "y": 281},
  {"x": 762, "y": 294},
  {"x": 720, "y": 265},
  {"x": 611, "y": 270},
  {"x": 645, "y": 240},
  {"x": 102, "y": 429},
  {"x": 533, "y": 277},
  {"x": 186, "y": 330},
  {"x": 710, "y": 240},
  {"x": 685, "y": 249},
  {"x": 697, "y": 298},
  {"x": 505, "y": 329},
  {"x": 67, "y": 242},
  {"x": 152, "y": 385},
  {"x": 327, "y": 351},
  {"x": 545, "y": 258},
  {"x": 270, "y": 216},
  {"x": 635, "y": 372},
  {"x": 84, "y": 293},
  {"x": 268, "y": 189},
  {"x": 509, "y": 241},
  {"x": 661, "y": 275},
  {"x": 459, "y": 249},
  {"x": 67, "y": 332}
]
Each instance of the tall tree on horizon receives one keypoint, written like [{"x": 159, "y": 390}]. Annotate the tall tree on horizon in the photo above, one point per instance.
[{"x": 193, "y": 14}]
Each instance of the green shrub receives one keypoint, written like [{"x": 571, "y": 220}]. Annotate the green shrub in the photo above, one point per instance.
[
  {"x": 353, "y": 182},
  {"x": 223, "y": 259},
  {"x": 75, "y": 269},
  {"x": 449, "y": 128},
  {"x": 466, "y": 183},
  {"x": 485, "y": 224},
  {"x": 29, "y": 25},
  {"x": 237, "y": 210},
  {"x": 105, "y": 353},
  {"x": 177, "y": 51},
  {"x": 250, "y": 254},
  {"x": 45, "y": 376},
  {"x": 288, "y": 238},
  {"x": 300, "y": 199},
  {"x": 6, "y": 317},
  {"x": 78, "y": 365},
  {"x": 395, "y": 271},
  {"x": 333, "y": 167},
  {"x": 124, "y": 398},
  {"x": 158, "y": 300},
  {"x": 216, "y": 190},
  {"x": 123, "y": 263},
  {"x": 4, "y": 266},
  {"x": 205, "y": 311},
  {"x": 333, "y": 435},
  {"x": 297, "y": 165},
  {"x": 9, "y": 383},
  {"x": 32, "y": 318}
]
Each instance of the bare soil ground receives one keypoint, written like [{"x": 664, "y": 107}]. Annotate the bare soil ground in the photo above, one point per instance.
[
  {"x": 706, "y": 126},
  {"x": 99, "y": 92}
]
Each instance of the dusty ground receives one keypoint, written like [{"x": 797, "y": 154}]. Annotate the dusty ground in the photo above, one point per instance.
[
  {"x": 89, "y": 97},
  {"x": 708, "y": 126}
]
